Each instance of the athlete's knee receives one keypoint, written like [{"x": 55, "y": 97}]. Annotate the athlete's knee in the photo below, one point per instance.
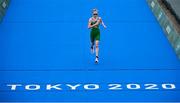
[{"x": 97, "y": 45}]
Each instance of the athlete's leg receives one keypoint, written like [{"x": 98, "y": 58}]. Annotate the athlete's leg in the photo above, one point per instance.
[
  {"x": 92, "y": 47},
  {"x": 97, "y": 51},
  {"x": 97, "y": 48},
  {"x": 92, "y": 42}
]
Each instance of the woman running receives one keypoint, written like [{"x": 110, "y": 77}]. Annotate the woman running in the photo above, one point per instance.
[{"x": 93, "y": 24}]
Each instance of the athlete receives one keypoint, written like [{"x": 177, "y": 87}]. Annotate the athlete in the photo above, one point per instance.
[{"x": 93, "y": 24}]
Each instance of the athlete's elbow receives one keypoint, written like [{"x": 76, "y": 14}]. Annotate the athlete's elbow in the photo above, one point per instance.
[{"x": 89, "y": 27}]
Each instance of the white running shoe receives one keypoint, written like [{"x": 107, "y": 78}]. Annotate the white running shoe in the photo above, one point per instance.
[{"x": 96, "y": 60}]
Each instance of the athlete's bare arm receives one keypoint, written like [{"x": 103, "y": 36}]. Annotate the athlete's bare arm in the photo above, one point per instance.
[
  {"x": 95, "y": 25},
  {"x": 101, "y": 21},
  {"x": 89, "y": 25},
  {"x": 103, "y": 24}
]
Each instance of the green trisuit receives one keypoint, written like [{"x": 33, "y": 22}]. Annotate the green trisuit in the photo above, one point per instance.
[{"x": 95, "y": 32}]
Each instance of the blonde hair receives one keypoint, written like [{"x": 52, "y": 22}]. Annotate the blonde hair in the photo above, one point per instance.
[{"x": 95, "y": 10}]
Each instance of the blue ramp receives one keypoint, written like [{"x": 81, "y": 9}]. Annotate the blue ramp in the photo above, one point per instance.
[{"x": 46, "y": 42}]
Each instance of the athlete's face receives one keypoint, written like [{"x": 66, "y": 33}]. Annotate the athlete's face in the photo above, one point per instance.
[{"x": 95, "y": 14}]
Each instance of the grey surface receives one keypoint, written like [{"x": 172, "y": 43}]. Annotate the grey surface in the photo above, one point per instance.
[{"x": 174, "y": 6}]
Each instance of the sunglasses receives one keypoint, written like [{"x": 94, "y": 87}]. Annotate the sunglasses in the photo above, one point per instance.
[{"x": 95, "y": 14}]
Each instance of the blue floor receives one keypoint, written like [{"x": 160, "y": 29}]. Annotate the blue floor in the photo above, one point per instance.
[{"x": 47, "y": 41}]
